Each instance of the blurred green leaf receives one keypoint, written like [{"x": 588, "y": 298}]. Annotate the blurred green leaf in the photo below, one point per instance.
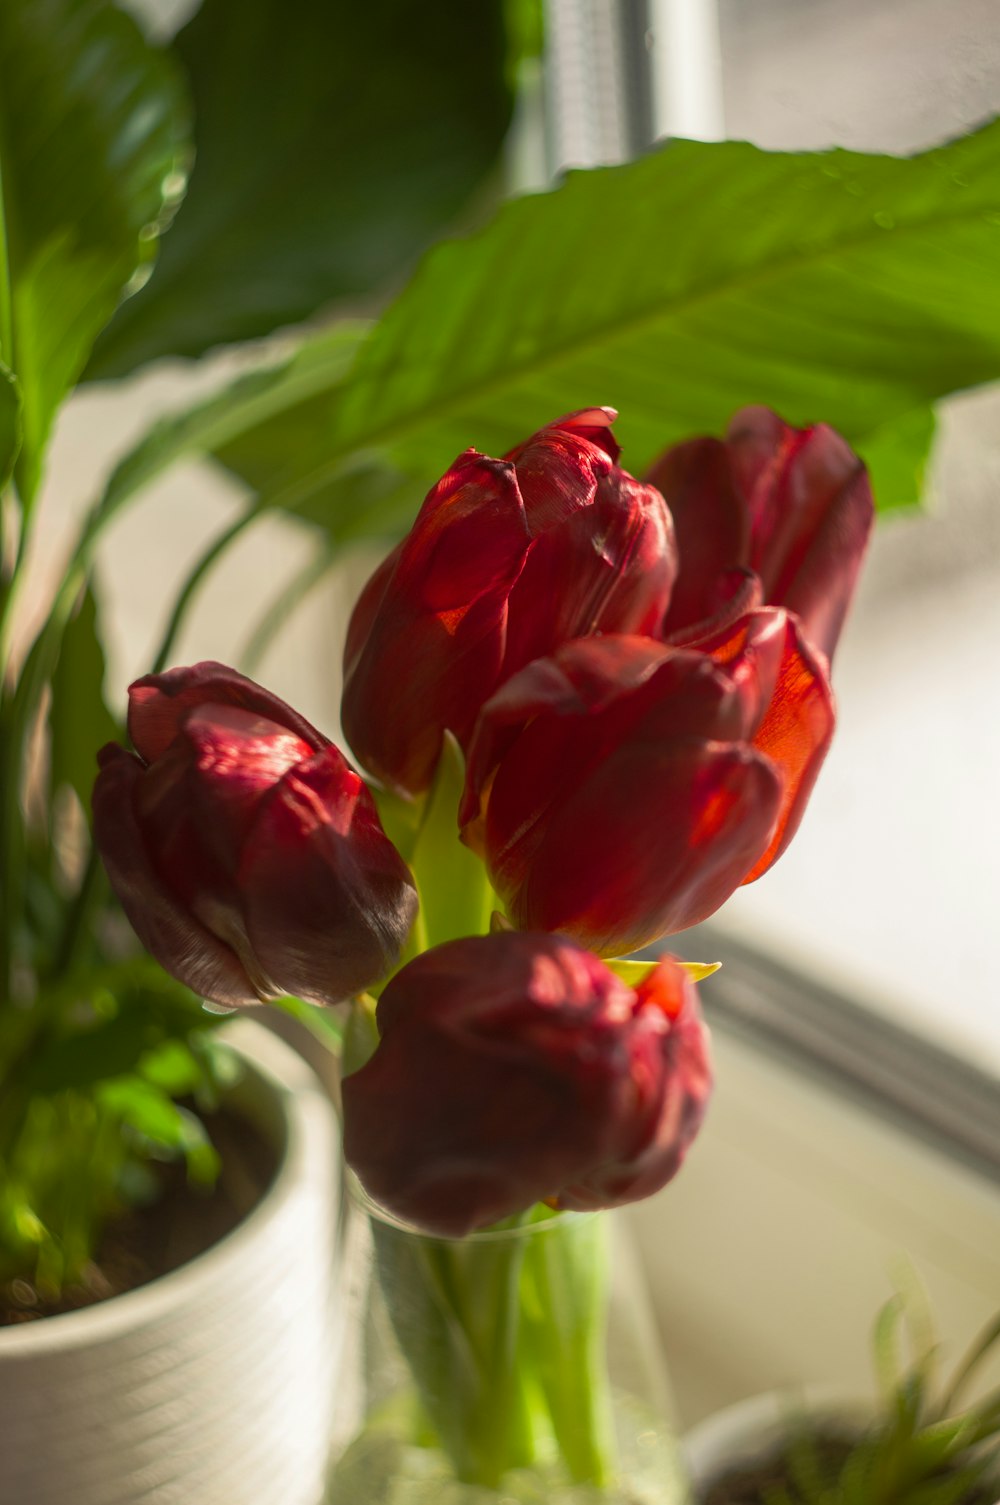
[
  {"x": 851, "y": 288},
  {"x": 455, "y": 896},
  {"x": 897, "y": 453},
  {"x": 111, "y": 1019},
  {"x": 244, "y": 406},
  {"x": 10, "y": 423},
  {"x": 91, "y": 135},
  {"x": 79, "y": 721},
  {"x": 324, "y": 1024},
  {"x": 333, "y": 144},
  {"x": 150, "y": 1111}
]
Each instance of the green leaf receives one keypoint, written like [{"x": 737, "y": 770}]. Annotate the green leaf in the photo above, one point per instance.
[
  {"x": 635, "y": 972},
  {"x": 323, "y": 1024},
  {"x": 886, "y": 1349},
  {"x": 278, "y": 389},
  {"x": 91, "y": 134},
  {"x": 150, "y": 1111},
  {"x": 455, "y": 895},
  {"x": 856, "y": 289},
  {"x": 332, "y": 147},
  {"x": 897, "y": 455},
  {"x": 79, "y": 721},
  {"x": 10, "y": 423}
]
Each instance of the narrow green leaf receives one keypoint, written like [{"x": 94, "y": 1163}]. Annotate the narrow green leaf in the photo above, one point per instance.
[
  {"x": 307, "y": 187},
  {"x": 885, "y": 1345},
  {"x": 79, "y": 721},
  {"x": 455, "y": 895},
  {"x": 92, "y": 136},
  {"x": 10, "y": 423},
  {"x": 281, "y": 388},
  {"x": 635, "y": 972},
  {"x": 852, "y": 288},
  {"x": 324, "y": 1024}
]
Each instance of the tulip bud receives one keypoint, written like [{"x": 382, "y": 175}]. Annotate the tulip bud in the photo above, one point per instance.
[
  {"x": 506, "y": 560},
  {"x": 518, "y": 1068},
  {"x": 622, "y": 789},
  {"x": 245, "y": 850},
  {"x": 772, "y": 514}
]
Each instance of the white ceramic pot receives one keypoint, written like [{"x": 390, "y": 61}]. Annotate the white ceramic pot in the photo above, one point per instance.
[
  {"x": 212, "y": 1385},
  {"x": 747, "y": 1432}
]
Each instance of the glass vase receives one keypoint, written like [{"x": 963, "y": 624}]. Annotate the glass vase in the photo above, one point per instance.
[{"x": 513, "y": 1367}]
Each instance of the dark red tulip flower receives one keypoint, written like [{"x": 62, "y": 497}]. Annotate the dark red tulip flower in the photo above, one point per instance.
[
  {"x": 506, "y": 560},
  {"x": 246, "y": 852},
  {"x": 621, "y": 789},
  {"x": 518, "y": 1068},
  {"x": 770, "y": 514}
]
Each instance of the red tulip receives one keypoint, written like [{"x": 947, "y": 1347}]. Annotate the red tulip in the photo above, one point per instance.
[
  {"x": 622, "y": 789},
  {"x": 770, "y": 514},
  {"x": 246, "y": 852},
  {"x": 506, "y": 560},
  {"x": 518, "y": 1068}
]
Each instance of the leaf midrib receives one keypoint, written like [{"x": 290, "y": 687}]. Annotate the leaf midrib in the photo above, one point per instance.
[{"x": 593, "y": 341}]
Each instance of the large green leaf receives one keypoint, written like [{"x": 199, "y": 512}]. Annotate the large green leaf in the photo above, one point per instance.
[
  {"x": 91, "y": 128},
  {"x": 333, "y": 143},
  {"x": 851, "y": 288},
  {"x": 10, "y": 423},
  {"x": 367, "y": 495},
  {"x": 79, "y": 720},
  {"x": 280, "y": 388}
]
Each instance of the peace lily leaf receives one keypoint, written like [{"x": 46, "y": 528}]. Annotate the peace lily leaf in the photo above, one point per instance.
[
  {"x": 840, "y": 286},
  {"x": 348, "y": 504},
  {"x": 79, "y": 721},
  {"x": 635, "y": 972},
  {"x": 10, "y": 423},
  {"x": 91, "y": 135},
  {"x": 245, "y": 404},
  {"x": 331, "y": 150}
]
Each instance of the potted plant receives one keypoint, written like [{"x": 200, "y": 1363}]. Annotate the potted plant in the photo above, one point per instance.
[
  {"x": 917, "y": 1444},
  {"x": 160, "y": 1186}
]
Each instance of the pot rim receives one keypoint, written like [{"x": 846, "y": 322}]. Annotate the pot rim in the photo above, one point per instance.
[
  {"x": 273, "y": 1071},
  {"x": 747, "y": 1429}
]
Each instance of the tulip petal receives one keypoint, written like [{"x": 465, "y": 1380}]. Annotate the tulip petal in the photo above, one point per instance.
[
  {"x": 811, "y": 513},
  {"x": 517, "y": 1068},
  {"x": 159, "y": 704},
  {"x": 711, "y": 526},
  {"x": 327, "y": 900},
  {"x": 591, "y": 424},
  {"x": 647, "y": 846},
  {"x": 607, "y": 568},
  {"x": 434, "y": 650},
  {"x": 797, "y": 715},
  {"x": 612, "y": 792},
  {"x": 672, "y": 1073},
  {"x": 168, "y": 929}
]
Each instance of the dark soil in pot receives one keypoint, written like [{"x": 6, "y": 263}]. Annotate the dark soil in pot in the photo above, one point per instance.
[
  {"x": 183, "y": 1222},
  {"x": 758, "y": 1482}
]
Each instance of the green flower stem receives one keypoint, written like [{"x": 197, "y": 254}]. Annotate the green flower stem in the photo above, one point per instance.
[
  {"x": 455, "y": 1307},
  {"x": 564, "y": 1337}
]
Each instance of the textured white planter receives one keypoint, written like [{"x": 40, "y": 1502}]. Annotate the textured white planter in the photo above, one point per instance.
[{"x": 212, "y": 1385}]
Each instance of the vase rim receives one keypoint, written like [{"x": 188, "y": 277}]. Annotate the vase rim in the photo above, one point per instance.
[{"x": 363, "y": 1203}]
